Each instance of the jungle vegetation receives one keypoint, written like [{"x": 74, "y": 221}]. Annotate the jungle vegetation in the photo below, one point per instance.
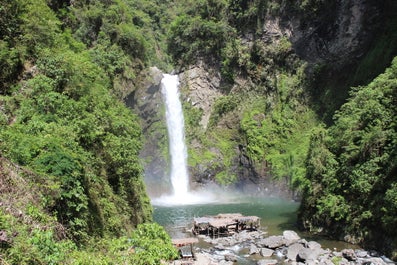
[{"x": 71, "y": 186}]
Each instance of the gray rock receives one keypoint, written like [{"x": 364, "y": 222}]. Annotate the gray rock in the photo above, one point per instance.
[
  {"x": 311, "y": 262},
  {"x": 231, "y": 257},
  {"x": 293, "y": 251},
  {"x": 387, "y": 260},
  {"x": 313, "y": 245},
  {"x": 266, "y": 252},
  {"x": 307, "y": 254},
  {"x": 220, "y": 247},
  {"x": 326, "y": 261},
  {"x": 273, "y": 242},
  {"x": 267, "y": 262},
  {"x": 290, "y": 237},
  {"x": 253, "y": 249},
  {"x": 349, "y": 254},
  {"x": 361, "y": 253},
  {"x": 374, "y": 261}
]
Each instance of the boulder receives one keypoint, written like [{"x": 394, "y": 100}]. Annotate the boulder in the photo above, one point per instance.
[
  {"x": 361, "y": 253},
  {"x": 266, "y": 252},
  {"x": 307, "y": 254},
  {"x": 253, "y": 249},
  {"x": 293, "y": 251},
  {"x": 290, "y": 237},
  {"x": 273, "y": 242},
  {"x": 313, "y": 245}
]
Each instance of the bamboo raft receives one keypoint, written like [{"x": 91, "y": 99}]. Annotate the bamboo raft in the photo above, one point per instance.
[{"x": 224, "y": 224}]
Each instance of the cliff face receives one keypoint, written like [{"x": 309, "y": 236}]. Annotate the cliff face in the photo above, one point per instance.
[
  {"x": 339, "y": 34},
  {"x": 147, "y": 101}
]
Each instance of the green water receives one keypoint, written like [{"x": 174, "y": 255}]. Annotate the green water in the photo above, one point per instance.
[{"x": 276, "y": 214}]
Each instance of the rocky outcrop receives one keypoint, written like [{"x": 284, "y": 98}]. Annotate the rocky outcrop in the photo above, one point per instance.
[
  {"x": 201, "y": 89},
  {"x": 147, "y": 102},
  {"x": 339, "y": 32}
]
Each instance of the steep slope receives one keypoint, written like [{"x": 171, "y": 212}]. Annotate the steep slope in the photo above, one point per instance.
[
  {"x": 70, "y": 170},
  {"x": 352, "y": 168}
]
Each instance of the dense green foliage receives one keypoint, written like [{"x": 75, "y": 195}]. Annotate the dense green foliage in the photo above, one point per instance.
[
  {"x": 352, "y": 166},
  {"x": 71, "y": 144},
  {"x": 67, "y": 66},
  {"x": 148, "y": 244}
]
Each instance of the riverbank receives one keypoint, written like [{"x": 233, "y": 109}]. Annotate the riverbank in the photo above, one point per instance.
[{"x": 289, "y": 248}]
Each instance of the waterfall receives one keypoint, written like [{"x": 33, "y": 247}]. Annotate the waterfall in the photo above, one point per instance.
[
  {"x": 179, "y": 174},
  {"x": 176, "y": 134}
]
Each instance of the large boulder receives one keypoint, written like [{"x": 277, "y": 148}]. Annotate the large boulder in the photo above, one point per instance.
[
  {"x": 273, "y": 242},
  {"x": 310, "y": 254},
  {"x": 293, "y": 251},
  {"x": 266, "y": 252},
  {"x": 290, "y": 237},
  {"x": 253, "y": 249}
]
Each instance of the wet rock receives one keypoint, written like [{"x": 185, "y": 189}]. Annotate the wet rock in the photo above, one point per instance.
[
  {"x": 273, "y": 242},
  {"x": 307, "y": 254},
  {"x": 293, "y": 251},
  {"x": 266, "y": 252},
  {"x": 281, "y": 253},
  {"x": 290, "y": 237},
  {"x": 253, "y": 249}
]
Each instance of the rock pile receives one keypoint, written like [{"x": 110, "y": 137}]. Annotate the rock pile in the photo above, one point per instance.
[{"x": 288, "y": 248}]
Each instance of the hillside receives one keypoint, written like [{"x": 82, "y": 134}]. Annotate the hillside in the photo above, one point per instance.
[{"x": 70, "y": 172}]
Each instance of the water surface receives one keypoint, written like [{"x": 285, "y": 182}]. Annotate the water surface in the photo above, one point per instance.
[{"x": 276, "y": 214}]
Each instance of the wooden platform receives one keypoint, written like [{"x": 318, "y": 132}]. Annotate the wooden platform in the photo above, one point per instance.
[{"x": 224, "y": 224}]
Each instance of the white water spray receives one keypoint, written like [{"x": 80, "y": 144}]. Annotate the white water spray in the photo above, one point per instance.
[
  {"x": 178, "y": 151},
  {"x": 176, "y": 134}
]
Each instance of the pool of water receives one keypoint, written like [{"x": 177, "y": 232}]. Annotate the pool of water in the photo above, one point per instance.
[{"x": 277, "y": 215}]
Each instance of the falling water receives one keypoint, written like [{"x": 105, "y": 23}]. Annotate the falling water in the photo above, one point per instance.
[{"x": 176, "y": 135}]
